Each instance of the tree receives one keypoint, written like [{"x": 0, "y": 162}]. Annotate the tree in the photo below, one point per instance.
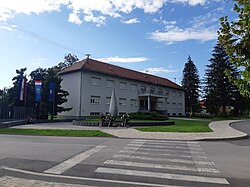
[
  {"x": 60, "y": 95},
  {"x": 69, "y": 60},
  {"x": 219, "y": 91},
  {"x": 234, "y": 37},
  {"x": 190, "y": 82},
  {"x": 4, "y": 97},
  {"x": 13, "y": 92}
]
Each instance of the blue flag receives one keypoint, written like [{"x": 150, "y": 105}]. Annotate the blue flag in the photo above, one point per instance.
[
  {"x": 38, "y": 90},
  {"x": 51, "y": 92}
]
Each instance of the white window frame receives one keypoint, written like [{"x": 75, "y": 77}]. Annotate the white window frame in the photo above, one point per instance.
[
  {"x": 122, "y": 101},
  {"x": 94, "y": 99},
  {"x": 110, "y": 83},
  {"x": 123, "y": 85},
  {"x": 95, "y": 81}
]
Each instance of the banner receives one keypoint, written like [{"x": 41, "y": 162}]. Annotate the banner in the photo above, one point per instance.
[
  {"x": 51, "y": 92},
  {"x": 22, "y": 92},
  {"x": 38, "y": 90}
]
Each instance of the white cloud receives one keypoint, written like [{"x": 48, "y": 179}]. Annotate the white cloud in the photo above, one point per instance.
[
  {"x": 190, "y": 2},
  {"x": 74, "y": 18},
  {"x": 176, "y": 34},
  {"x": 99, "y": 20},
  {"x": 158, "y": 70},
  {"x": 91, "y": 10},
  {"x": 8, "y": 27},
  {"x": 132, "y": 21},
  {"x": 123, "y": 60}
]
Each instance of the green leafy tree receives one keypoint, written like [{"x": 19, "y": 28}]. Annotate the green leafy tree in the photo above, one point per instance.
[
  {"x": 219, "y": 91},
  {"x": 69, "y": 60},
  {"x": 191, "y": 83},
  {"x": 13, "y": 92},
  {"x": 235, "y": 38},
  {"x": 4, "y": 97},
  {"x": 60, "y": 94}
]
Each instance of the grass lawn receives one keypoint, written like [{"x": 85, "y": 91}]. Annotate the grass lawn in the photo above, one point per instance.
[
  {"x": 180, "y": 126},
  {"x": 54, "y": 132}
]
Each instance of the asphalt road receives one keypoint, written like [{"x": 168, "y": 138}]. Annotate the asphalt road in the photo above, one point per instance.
[{"x": 50, "y": 161}]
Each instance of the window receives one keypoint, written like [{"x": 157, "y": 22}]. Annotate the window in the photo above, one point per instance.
[
  {"x": 95, "y": 81},
  {"x": 174, "y": 105},
  {"x": 123, "y": 85},
  {"x": 95, "y": 99},
  {"x": 122, "y": 101},
  {"x": 108, "y": 100},
  {"x": 134, "y": 87},
  {"x": 160, "y": 91},
  {"x": 110, "y": 83},
  {"x": 167, "y": 92},
  {"x": 143, "y": 88},
  {"x": 94, "y": 113},
  {"x": 152, "y": 90},
  {"x": 179, "y": 105},
  {"x": 159, "y": 104},
  {"x": 179, "y": 94},
  {"x": 133, "y": 102}
]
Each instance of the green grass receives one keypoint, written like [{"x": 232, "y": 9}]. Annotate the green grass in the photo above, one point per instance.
[
  {"x": 180, "y": 126},
  {"x": 54, "y": 132},
  {"x": 145, "y": 120}
]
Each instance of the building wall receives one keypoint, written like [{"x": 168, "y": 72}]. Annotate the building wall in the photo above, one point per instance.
[
  {"x": 71, "y": 83},
  {"x": 97, "y": 89}
]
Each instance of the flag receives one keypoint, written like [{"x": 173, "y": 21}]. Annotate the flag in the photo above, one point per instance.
[
  {"x": 22, "y": 92},
  {"x": 38, "y": 90},
  {"x": 51, "y": 92}
]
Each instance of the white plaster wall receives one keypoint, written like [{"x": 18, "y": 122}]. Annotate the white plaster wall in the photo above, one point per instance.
[{"x": 71, "y": 83}]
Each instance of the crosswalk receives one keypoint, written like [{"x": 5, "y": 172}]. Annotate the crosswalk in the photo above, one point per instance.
[{"x": 163, "y": 163}]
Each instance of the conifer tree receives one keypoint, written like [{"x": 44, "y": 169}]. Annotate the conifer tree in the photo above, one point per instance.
[
  {"x": 219, "y": 91},
  {"x": 191, "y": 83}
]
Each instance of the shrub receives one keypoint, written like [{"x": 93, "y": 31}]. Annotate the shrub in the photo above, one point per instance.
[{"x": 147, "y": 116}]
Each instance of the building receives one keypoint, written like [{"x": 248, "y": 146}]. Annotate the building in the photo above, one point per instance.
[{"x": 90, "y": 84}]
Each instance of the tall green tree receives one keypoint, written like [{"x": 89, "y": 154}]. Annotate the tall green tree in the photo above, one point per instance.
[
  {"x": 219, "y": 91},
  {"x": 60, "y": 95},
  {"x": 69, "y": 60},
  {"x": 4, "y": 97},
  {"x": 235, "y": 38},
  {"x": 13, "y": 92},
  {"x": 191, "y": 84}
]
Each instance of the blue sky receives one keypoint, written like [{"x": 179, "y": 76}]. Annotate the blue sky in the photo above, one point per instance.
[{"x": 154, "y": 36}]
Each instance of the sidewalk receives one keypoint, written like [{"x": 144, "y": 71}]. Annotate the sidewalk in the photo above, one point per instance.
[{"x": 221, "y": 130}]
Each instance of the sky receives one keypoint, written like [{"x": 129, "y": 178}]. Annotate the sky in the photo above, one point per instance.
[{"x": 152, "y": 36}]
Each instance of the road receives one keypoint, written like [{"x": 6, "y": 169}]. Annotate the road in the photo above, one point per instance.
[{"x": 72, "y": 161}]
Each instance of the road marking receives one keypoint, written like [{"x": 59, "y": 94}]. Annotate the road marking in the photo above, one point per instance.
[
  {"x": 191, "y": 178},
  {"x": 167, "y": 141},
  {"x": 86, "y": 178},
  {"x": 67, "y": 164},
  {"x": 209, "y": 163},
  {"x": 147, "y": 165},
  {"x": 169, "y": 144},
  {"x": 164, "y": 150},
  {"x": 154, "y": 159},
  {"x": 154, "y": 154},
  {"x": 168, "y": 147}
]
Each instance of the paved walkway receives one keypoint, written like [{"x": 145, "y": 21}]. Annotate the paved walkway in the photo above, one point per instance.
[{"x": 221, "y": 130}]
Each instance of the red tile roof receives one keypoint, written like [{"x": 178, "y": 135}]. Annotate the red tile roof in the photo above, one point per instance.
[{"x": 101, "y": 67}]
